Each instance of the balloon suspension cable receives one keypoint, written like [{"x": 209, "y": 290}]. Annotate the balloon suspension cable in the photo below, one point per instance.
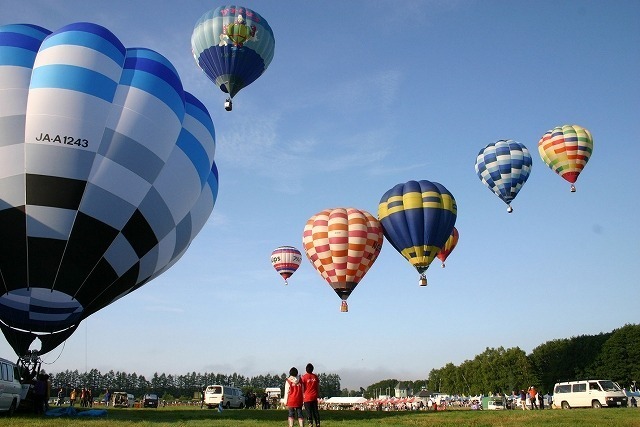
[
  {"x": 423, "y": 280},
  {"x": 509, "y": 209},
  {"x": 573, "y": 188},
  {"x": 344, "y": 307}
]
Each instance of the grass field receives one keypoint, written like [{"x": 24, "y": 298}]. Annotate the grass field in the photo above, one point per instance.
[{"x": 196, "y": 417}]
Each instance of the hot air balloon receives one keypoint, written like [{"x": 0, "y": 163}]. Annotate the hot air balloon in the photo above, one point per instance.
[
  {"x": 504, "y": 167},
  {"x": 233, "y": 45},
  {"x": 342, "y": 244},
  {"x": 566, "y": 150},
  {"x": 286, "y": 260},
  {"x": 417, "y": 218},
  {"x": 106, "y": 175},
  {"x": 449, "y": 246}
]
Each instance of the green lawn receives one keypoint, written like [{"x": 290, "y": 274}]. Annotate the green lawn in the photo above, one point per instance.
[{"x": 195, "y": 417}]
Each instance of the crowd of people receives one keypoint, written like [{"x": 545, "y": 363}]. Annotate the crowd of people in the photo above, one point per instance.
[
  {"x": 532, "y": 399},
  {"x": 84, "y": 397}
]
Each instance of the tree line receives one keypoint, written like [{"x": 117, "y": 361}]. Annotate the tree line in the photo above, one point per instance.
[
  {"x": 614, "y": 355},
  {"x": 169, "y": 387}
]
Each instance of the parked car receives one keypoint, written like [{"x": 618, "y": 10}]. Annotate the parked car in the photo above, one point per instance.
[
  {"x": 226, "y": 396},
  {"x": 122, "y": 399},
  {"x": 150, "y": 401},
  {"x": 585, "y": 393},
  {"x": 493, "y": 403},
  {"x": 10, "y": 387}
]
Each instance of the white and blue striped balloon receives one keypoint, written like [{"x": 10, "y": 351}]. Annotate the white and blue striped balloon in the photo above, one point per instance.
[
  {"x": 504, "y": 167},
  {"x": 107, "y": 174}
]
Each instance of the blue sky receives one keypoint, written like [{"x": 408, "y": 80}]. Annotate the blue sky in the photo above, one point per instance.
[{"x": 360, "y": 96}]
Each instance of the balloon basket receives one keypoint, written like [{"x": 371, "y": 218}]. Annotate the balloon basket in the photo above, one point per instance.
[
  {"x": 573, "y": 188},
  {"x": 443, "y": 265},
  {"x": 509, "y": 209},
  {"x": 285, "y": 282},
  {"x": 228, "y": 105},
  {"x": 423, "y": 280},
  {"x": 344, "y": 307}
]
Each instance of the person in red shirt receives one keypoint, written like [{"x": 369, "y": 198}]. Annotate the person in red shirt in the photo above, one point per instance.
[
  {"x": 293, "y": 397},
  {"x": 311, "y": 385}
]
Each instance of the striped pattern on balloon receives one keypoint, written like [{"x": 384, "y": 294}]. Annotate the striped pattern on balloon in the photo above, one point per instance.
[
  {"x": 417, "y": 218},
  {"x": 286, "y": 260},
  {"x": 504, "y": 167},
  {"x": 342, "y": 244},
  {"x": 106, "y": 175},
  {"x": 566, "y": 150}
]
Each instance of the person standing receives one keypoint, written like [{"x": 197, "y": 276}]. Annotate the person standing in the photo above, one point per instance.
[
  {"x": 532, "y": 397},
  {"x": 72, "y": 397},
  {"x": 264, "y": 402},
  {"x": 311, "y": 384},
  {"x": 40, "y": 393},
  {"x": 523, "y": 399},
  {"x": 293, "y": 397},
  {"x": 60, "y": 397},
  {"x": 540, "y": 400}
]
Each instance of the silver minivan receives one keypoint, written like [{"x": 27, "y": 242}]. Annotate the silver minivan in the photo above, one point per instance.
[{"x": 10, "y": 387}]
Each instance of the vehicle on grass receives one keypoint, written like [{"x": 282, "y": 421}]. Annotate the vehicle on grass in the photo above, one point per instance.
[
  {"x": 493, "y": 403},
  {"x": 585, "y": 393},
  {"x": 150, "y": 400},
  {"x": 122, "y": 399},
  {"x": 223, "y": 395},
  {"x": 11, "y": 390},
  {"x": 273, "y": 396}
]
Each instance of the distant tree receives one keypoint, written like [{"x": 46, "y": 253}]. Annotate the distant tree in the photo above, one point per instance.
[
  {"x": 566, "y": 359},
  {"x": 382, "y": 388},
  {"x": 612, "y": 355},
  {"x": 329, "y": 384},
  {"x": 619, "y": 356}
]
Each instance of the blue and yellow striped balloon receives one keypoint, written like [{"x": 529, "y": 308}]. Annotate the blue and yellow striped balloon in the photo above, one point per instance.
[
  {"x": 504, "y": 167},
  {"x": 417, "y": 218}
]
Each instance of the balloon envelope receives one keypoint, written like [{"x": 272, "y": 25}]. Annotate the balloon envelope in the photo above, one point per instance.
[
  {"x": 233, "y": 45},
  {"x": 566, "y": 150},
  {"x": 342, "y": 244},
  {"x": 286, "y": 260},
  {"x": 417, "y": 218},
  {"x": 106, "y": 175},
  {"x": 449, "y": 246},
  {"x": 504, "y": 167}
]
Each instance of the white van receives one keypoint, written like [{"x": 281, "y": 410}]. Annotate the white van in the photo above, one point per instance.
[
  {"x": 10, "y": 387},
  {"x": 585, "y": 393},
  {"x": 231, "y": 397},
  {"x": 122, "y": 399}
]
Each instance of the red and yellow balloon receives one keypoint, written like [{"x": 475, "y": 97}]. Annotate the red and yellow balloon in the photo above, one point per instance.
[
  {"x": 342, "y": 244},
  {"x": 449, "y": 246},
  {"x": 566, "y": 150}
]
